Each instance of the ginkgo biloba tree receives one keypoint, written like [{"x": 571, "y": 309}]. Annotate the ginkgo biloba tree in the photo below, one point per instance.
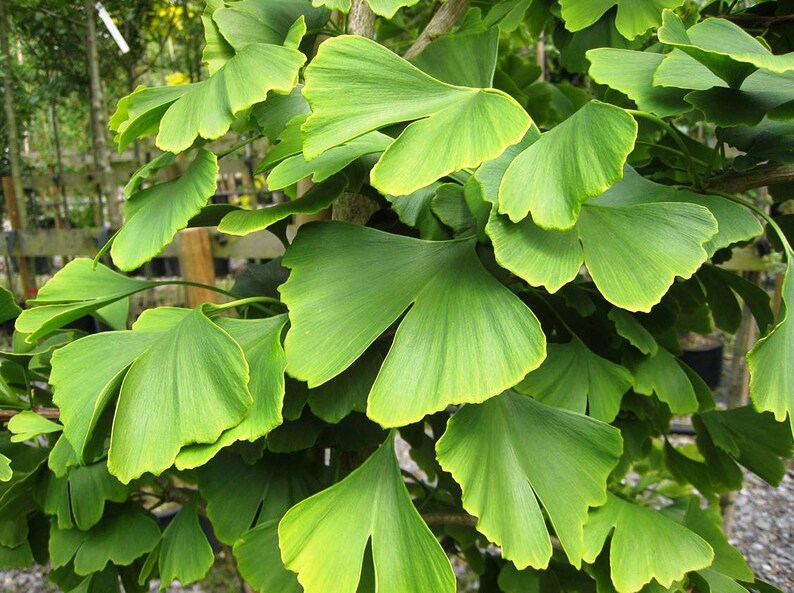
[{"x": 535, "y": 238}]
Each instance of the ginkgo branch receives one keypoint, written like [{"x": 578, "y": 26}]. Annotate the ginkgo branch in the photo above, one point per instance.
[
  {"x": 442, "y": 22},
  {"x": 761, "y": 176}
]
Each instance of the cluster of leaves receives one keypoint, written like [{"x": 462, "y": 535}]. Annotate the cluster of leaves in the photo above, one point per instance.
[{"x": 510, "y": 313}]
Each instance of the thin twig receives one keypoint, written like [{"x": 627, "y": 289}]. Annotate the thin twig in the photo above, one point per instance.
[
  {"x": 442, "y": 22},
  {"x": 51, "y": 413}
]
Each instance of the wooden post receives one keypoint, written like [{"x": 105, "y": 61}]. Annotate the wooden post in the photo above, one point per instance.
[
  {"x": 26, "y": 277},
  {"x": 196, "y": 265}
]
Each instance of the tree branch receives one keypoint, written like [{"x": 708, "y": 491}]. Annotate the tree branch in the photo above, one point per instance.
[
  {"x": 761, "y": 176},
  {"x": 361, "y": 20},
  {"x": 442, "y": 22},
  {"x": 51, "y": 413},
  {"x": 757, "y": 20}
]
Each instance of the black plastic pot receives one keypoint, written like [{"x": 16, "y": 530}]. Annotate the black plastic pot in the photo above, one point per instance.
[{"x": 706, "y": 362}]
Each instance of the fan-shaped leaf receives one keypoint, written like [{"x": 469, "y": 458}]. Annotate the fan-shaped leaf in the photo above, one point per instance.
[
  {"x": 662, "y": 374},
  {"x": 460, "y": 126},
  {"x": 259, "y": 560},
  {"x": 645, "y": 545},
  {"x": 27, "y": 425},
  {"x": 532, "y": 453},
  {"x": 155, "y": 214},
  {"x": 346, "y": 276},
  {"x": 371, "y": 504},
  {"x": 185, "y": 553},
  {"x": 633, "y": 18},
  {"x": 580, "y": 159},
  {"x": 771, "y": 371},
  {"x": 77, "y": 290},
  {"x": 574, "y": 378}
]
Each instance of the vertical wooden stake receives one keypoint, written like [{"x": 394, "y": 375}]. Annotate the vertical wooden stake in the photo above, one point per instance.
[
  {"x": 195, "y": 262},
  {"x": 26, "y": 276}
]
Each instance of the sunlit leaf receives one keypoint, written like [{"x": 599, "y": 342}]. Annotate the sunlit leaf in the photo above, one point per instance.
[
  {"x": 645, "y": 545},
  {"x": 27, "y": 425},
  {"x": 533, "y": 453},
  {"x": 155, "y": 214},
  {"x": 346, "y": 276},
  {"x": 460, "y": 126},
  {"x": 633, "y": 18},
  {"x": 580, "y": 159},
  {"x": 370, "y": 505}
]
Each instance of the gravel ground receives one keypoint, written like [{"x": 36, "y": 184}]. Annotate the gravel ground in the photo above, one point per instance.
[{"x": 763, "y": 529}]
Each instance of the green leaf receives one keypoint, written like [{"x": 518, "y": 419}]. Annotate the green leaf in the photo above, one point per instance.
[
  {"x": 27, "y": 425},
  {"x": 8, "y": 306},
  {"x": 619, "y": 237},
  {"x": 217, "y": 50},
  {"x": 632, "y": 330},
  {"x": 371, "y": 504},
  {"x": 90, "y": 487},
  {"x": 632, "y": 73},
  {"x": 463, "y": 59},
  {"x": 240, "y": 496},
  {"x": 137, "y": 179},
  {"x": 185, "y": 553},
  {"x": 574, "y": 378},
  {"x": 347, "y": 276},
  {"x": 182, "y": 402},
  {"x": 154, "y": 215},
  {"x": 723, "y": 47},
  {"x": 119, "y": 539},
  {"x": 645, "y": 545},
  {"x": 663, "y": 375},
  {"x": 460, "y": 126},
  {"x": 347, "y": 392},
  {"x": 86, "y": 376},
  {"x": 532, "y": 453},
  {"x": 259, "y": 560},
  {"x": 6, "y": 473},
  {"x": 139, "y": 113},
  {"x": 295, "y": 168},
  {"x": 581, "y": 158},
  {"x": 260, "y": 340},
  {"x": 771, "y": 371},
  {"x": 318, "y": 198},
  {"x": 633, "y": 18},
  {"x": 273, "y": 115},
  {"x": 75, "y": 291},
  {"x": 384, "y": 8}
]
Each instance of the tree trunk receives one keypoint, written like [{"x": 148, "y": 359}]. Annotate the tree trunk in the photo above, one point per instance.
[
  {"x": 98, "y": 124},
  {"x": 11, "y": 115}
]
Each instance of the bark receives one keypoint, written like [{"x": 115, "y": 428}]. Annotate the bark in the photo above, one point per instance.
[
  {"x": 361, "y": 20},
  {"x": 98, "y": 122},
  {"x": 15, "y": 160},
  {"x": 761, "y": 176},
  {"x": 442, "y": 22}
]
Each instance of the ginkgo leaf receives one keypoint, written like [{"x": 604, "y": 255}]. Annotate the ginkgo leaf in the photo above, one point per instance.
[
  {"x": 119, "y": 538},
  {"x": 632, "y": 73},
  {"x": 241, "y": 496},
  {"x": 217, "y": 50},
  {"x": 580, "y": 158},
  {"x": 460, "y": 126},
  {"x": 535, "y": 455},
  {"x": 182, "y": 402},
  {"x": 27, "y": 425},
  {"x": 632, "y": 330},
  {"x": 6, "y": 473},
  {"x": 771, "y": 371},
  {"x": 155, "y": 214},
  {"x": 633, "y": 18},
  {"x": 575, "y": 378},
  {"x": 645, "y": 545},
  {"x": 77, "y": 290},
  {"x": 8, "y": 306},
  {"x": 370, "y": 505},
  {"x": 259, "y": 560},
  {"x": 260, "y": 340},
  {"x": 346, "y": 276},
  {"x": 663, "y": 375},
  {"x": 465, "y": 59},
  {"x": 207, "y": 109},
  {"x": 295, "y": 168},
  {"x": 318, "y": 198},
  {"x": 722, "y": 46},
  {"x": 90, "y": 487},
  {"x": 384, "y": 8},
  {"x": 619, "y": 237},
  {"x": 185, "y": 554}
]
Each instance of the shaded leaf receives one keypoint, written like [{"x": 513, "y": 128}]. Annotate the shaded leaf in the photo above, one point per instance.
[
  {"x": 662, "y": 374},
  {"x": 259, "y": 560},
  {"x": 185, "y": 553}
]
